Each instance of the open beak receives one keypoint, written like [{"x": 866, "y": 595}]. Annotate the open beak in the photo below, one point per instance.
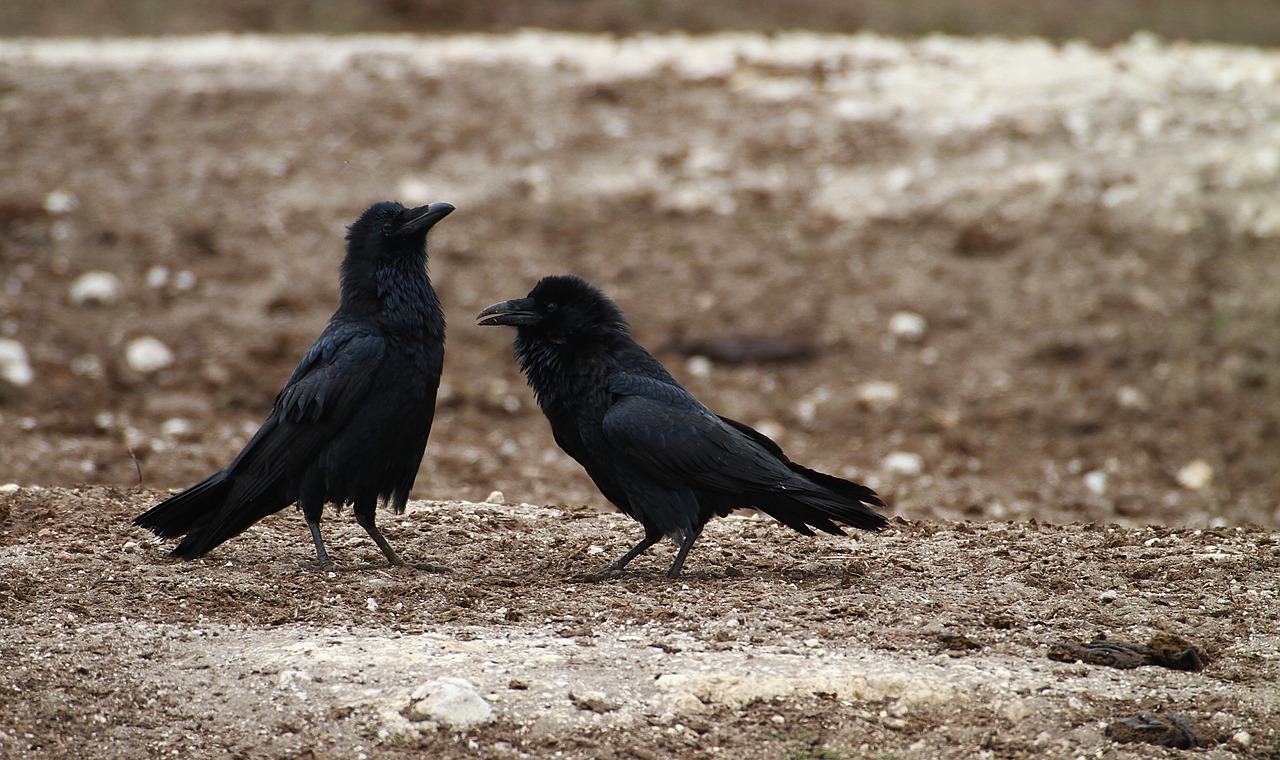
[
  {"x": 423, "y": 217},
  {"x": 517, "y": 311}
]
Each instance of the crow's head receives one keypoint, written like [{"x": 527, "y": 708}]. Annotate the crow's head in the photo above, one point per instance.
[
  {"x": 389, "y": 230},
  {"x": 559, "y": 309}
]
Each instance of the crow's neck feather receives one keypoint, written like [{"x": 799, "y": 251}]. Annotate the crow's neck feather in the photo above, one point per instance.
[{"x": 395, "y": 293}]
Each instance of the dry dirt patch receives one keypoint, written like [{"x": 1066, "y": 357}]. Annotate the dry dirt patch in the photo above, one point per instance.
[{"x": 929, "y": 640}]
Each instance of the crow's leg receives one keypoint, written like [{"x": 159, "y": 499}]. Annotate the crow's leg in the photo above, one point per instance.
[
  {"x": 322, "y": 556},
  {"x": 312, "y": 506},
  {"x": 685, "y": 545},
  {"x": 651, "y": 537},
  {"x": 365, "y": 516}
]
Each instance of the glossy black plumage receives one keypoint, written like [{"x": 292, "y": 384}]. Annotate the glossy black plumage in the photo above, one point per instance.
[
  {"x": 654, "y": 450},
  {"x": 351, "y": 423}
]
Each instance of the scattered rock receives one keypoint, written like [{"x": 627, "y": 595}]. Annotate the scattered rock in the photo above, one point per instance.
[
  {"x": 157, "y": 277},
  {"x": 15, "y": 367},
  {"x": 878, "y": 395},
  {"x": 180, "y": 429},
  {"x": 451, "y": 701},
  {"x": 595, "y": 701},
  {"x": 147, "y": 355},
  {"x": 495, "y": 497},
  {"x": 903, "y": 463},
  {"x": 698, "y": 366},
  {"x": 770, "y": 428},
  {"x": 95, "y": 288},
  {"x": 1129, "y": 397},
  {"x": 1096, "y": 482},
  {"x": 60, "y": 202},
  {"x": 908, "y": 326},
  {"x": 293, "y": 680},
  {"x": 1196, "y": 475},
  {"x": 184, "y": 280}
]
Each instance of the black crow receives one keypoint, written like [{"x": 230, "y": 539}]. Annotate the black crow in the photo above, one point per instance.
[
  {"x": 352, "y": 422},
  {"x": 652, "y": 448}
]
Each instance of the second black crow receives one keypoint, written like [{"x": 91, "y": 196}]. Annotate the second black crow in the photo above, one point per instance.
[{"x": 651, "y": 448}]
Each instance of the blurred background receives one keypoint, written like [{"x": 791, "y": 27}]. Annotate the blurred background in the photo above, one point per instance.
[
  {"x": 996, "y": 276},
  {"x": 1254, "y": 22}
]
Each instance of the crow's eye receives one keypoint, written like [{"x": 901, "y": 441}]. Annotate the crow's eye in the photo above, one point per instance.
[
  {"x": 387, "y": 228},
  {"x": 551, "y": 306}
]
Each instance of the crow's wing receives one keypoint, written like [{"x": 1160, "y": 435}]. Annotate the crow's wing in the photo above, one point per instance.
[
  {"x": 845, "y": 488},
  {"x": 328, "y": 386},
  {"x": 669, "y": 435}
]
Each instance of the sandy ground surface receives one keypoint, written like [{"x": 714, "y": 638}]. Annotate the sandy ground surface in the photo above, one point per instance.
[{"x": 1083, "y": 243}]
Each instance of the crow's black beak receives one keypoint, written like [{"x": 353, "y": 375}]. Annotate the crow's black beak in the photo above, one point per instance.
[
  {"x": 517, "y": 311},
  {"x": 422, "y": 218}
]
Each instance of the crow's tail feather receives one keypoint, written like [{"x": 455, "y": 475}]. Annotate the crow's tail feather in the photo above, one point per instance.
[
  {"x": 182, "y": 512},
  {"x": 839, "y": 486},
  {"x": 837, "y": 502},
  {"x": 202, "y": 513}
]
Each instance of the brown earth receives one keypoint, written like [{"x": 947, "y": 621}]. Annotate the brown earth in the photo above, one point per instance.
[
  {"x": 1103, "y": 22},
  {"x": 1089, "y": 236}
]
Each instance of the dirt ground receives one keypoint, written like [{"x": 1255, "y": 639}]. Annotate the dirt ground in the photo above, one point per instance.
[{"x": 1027, "y": 291}]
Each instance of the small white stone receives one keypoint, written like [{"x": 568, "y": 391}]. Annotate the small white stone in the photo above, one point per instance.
[
  {"x": 698, "y": 366},
  {"x": 771, "y": 429},
  {"x": 454, "y": 701},
  {"x": 778, "y": 720},
  {"x": 371, "y": 604},
  {"x": 9, "y": 487},
  {"x": 594, "y": 550},
  {"x": 157, "y": 277},
  {"x": 1110, "y": 595},
  {"x": 175, "y": 428},
  {"x": 147, "y": 355},
  {"x": 903, "y": 463},
  {"x": 1129, "y": 397},
  {"x": 15, "y": 367},
  {"x": 1196, "y": 475},
  {"x": 95, "y": 288},
  {"x": 878, "y": 395},
  {"x": 292, "y": 679},
  {"x": 60, "y": 202},
  {"x": 1096, "y": 481},
  {"x": 1243, "y": 738},
  {"x": 184, "y": 280},
  {"x": 495, "y": 497},
  {"x": 908, "y": 326}
]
